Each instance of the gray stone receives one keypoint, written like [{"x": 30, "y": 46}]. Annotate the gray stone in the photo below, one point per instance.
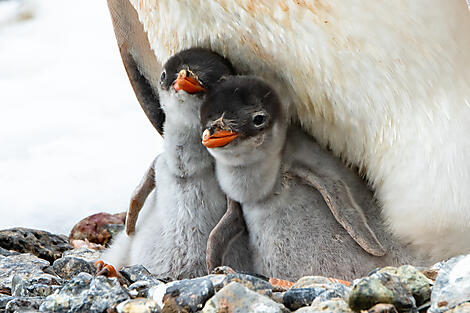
[
  {"x": 24, "y": 265},
  {"x": 23, "y": 304},
  {"x": 236, "y": 298},
  {"x": 188, "y": 295},
  {"x": 251, "y": 282},
  {"x": 452, "y": 286},
  {"x": 70, "y": 266},
  {"x": 141, "y": 288},
  {"x": 31, "y": 288},
  {"x": 6, "y": 252},
  {"x": 417, "y": 282},
  {"x": 334, "y": 291},
  {"x": 40, "y": 243},
  {"x": 299, "y": 297},
  {"x": 462, "y": 308},
  {"x": 138, "y": 306},
  {"x": 381, "y": 288},
  {"x": 137, "y": 273},
  {"x": 333, "y": 306},
  {"x": 383, "y": 308},
  {"x": 4, "y": 301},
  {"x": 311, "y": 282},
  {"x": 217, "y": 280},
  {"x": 85, "y": 293},
  {"x": 83, "y": 253}
]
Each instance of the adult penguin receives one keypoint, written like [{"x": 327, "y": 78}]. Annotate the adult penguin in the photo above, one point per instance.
[{"x": 385, "y": 85}]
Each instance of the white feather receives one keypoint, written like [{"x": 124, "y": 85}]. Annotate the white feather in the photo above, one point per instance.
[{"x": 386, "y": 84}]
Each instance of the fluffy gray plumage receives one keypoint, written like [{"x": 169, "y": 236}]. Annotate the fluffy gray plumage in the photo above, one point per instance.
[
  {"x": 306, "y": 212},
  {"x": 171, "y": 234}
]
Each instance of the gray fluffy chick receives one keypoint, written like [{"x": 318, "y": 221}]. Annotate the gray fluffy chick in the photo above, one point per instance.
[
  {"x": 306, "y": 212},
  {"x": 171, "y": 234}
]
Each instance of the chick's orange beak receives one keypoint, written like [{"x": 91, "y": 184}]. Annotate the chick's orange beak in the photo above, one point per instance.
[
  {"x": 219, "y": 138},
  {"x": 187, "y": 83}
]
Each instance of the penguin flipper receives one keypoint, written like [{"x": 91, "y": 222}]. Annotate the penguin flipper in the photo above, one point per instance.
[
  {"x": 145, "y": 187},
  {"x": 227, "y": 229},
  {"x": 344, "y": 208},
  {"x": 142, "y": 67}
]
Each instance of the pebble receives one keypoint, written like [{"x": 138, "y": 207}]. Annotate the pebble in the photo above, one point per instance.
[
  {"x": 23, "y": 304},
  {"x": 70, "y": 266},
  {"x": 237, "y": 298},
  {"x": 83, "y": 253},
  {"x": 251, "y": 282},
  {"x": 141, "y": 288},
  {"x": 417, "y": 282},
  {"x": 138, "y": 306},
  {"x": 333, "y": 305},
  {"x": 25, "y": 265},
  {"x": 188, "y": 295},
  {"x": 40, "y": 243},
  {"x": 96, "y": 228},
  {"x": 383, "y": 308},
  {"x": 136, "y": 273},
  {"x": 31, "y": 288},
  {"x": 85, "y": 293},
  {"x": 6, "y": 252},
  {"x": 462, "y": 308},
  {"x": 381, "y": 288},
  {"x": 452, "y": 285},
  {"x": 311, "y": 282},
  {"x": 299, "y": 297}
]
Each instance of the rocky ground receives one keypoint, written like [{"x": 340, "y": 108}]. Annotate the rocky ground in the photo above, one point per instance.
[{"x": 41, "y": 272}]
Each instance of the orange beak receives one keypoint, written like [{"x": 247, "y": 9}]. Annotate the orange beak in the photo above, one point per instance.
[
  {"x": 219, "y": 138},
  {"x": 187, "y": 83}
]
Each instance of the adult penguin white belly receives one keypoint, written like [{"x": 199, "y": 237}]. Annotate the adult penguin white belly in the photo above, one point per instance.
[{"x": 386, "y": 84}]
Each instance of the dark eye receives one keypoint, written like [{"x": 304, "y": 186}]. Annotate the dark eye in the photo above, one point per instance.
[
  {"x": 163, "y": 76},
  {"x": 259, "y": 119}
]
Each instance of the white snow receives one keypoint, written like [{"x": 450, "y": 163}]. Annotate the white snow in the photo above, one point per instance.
[{"x": 73, "y": 138}]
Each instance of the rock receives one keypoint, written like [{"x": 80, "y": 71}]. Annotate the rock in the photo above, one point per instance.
[
  {"x": 138, "y": 306},
  {"x": 188, "y": 295},
  {"x": 141, "y": 288},
  {"x": 6, "y": 252},
  {"x": 96, "y": 229},
  {"x": 4, "y": 301},
  {"x": 40, "y": 243},
  {"x": 83, "y": 253},
  {"x": 223, "y": 270},
  {"x": 70, "y": 266},
  {"x": 383, "y": 308},
  {"x": 334, "y": 291},
  {"x": 23, "y": 304},
  {"x": 136, "y": 273},
  {"x": 416, "y": 281},
  {"x": 333, "y": 305},
  {"x": 251, "y": 282},
  {"x": 462, "y": 308},
  {"x": 299, "y": 297},
  {"x": 31, "y": 287},
  {"x": 452, "y": 286},
  {"x": 381, "y": 288},
  {"x": 217, "y": 280},
  {"x": 156, "y": 293},
  {"x": 78, "y": 243},
  {"x": 237, "y": 298},
  {"x": 311, "y": 282},
  {"x": 85, "y": 293},
  {"x": 24, "y": 265},
  {"x": 278, "y": 296}
]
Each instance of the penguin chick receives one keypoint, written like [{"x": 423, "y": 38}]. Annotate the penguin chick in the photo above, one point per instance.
[
  {"x": 171, "y": 235},
  {"x": 304, "y": 210}
]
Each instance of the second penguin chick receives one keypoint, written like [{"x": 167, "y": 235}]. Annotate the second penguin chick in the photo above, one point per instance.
[
  {"x": 171, "y": 234},
  {"x": 305, "y": 215}
]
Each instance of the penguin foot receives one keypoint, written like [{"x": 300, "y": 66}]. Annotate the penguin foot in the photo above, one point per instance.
[{"x": 107, "y": 270}]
